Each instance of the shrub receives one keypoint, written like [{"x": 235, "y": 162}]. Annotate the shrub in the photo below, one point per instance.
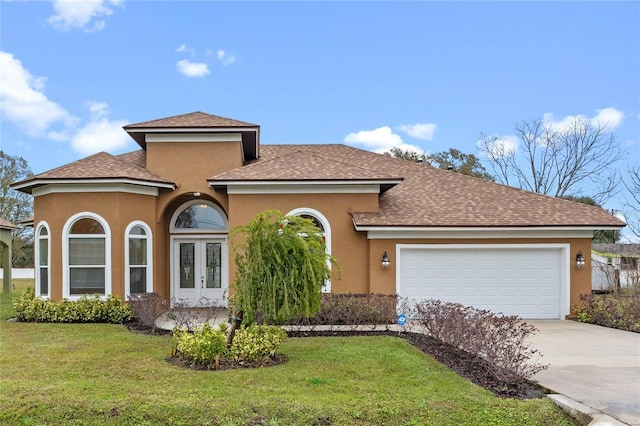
[
  {"x": 614, "y": 311},
  {"x": 352, "y": 310},
  {"x": 256, "y": 343},
  {"x": 207, "y": 344},
  {"x": 86, "y": 309},
  {"x": 202, "y": 345},
  {"x": 145, "y": 307},
  {"x": 498, "y": 339}
]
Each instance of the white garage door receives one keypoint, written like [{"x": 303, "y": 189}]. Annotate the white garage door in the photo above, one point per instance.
[{"x": 527, "y": 281}]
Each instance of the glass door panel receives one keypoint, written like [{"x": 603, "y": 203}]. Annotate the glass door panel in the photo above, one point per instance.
[
  {"x": 213, "y": 259},
  {"x": 187, "y": 265}
]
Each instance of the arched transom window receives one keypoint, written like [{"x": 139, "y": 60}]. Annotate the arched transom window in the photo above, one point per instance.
[{"x": 198, "y": 216}]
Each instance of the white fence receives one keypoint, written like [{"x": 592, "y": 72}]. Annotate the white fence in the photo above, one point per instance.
[{"x": 17, "y": 273}]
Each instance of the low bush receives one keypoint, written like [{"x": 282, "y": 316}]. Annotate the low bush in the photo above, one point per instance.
[
  {"x": 498, "y": 339},
  {"x": 256, "y": 343},
  {"x": 202, "y": 345},
  {"x": 29, "y": 308},
  {"x": 206, "y": 345},
  {"x": 145, "y": 308},
  {"x": 614, "y": 311},
  {"x": 352, "y": 311}
]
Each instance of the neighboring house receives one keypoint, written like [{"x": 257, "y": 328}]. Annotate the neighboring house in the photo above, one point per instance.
[
  {"x": 615, "y": 265},
  {"x": 158, "y": 219},
  {"x": 6, "y": 229}
]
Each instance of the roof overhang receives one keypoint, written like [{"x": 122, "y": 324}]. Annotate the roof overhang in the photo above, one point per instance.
[
  {"x": 249, "y": 136},
  {"x": 303, "y": 186},
  {"x": 47, "y": 186},
  {"x": 493, "y": 232}
]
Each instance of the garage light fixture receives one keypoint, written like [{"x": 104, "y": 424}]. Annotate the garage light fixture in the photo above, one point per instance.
[
  {"x": 580, "y": 260},
  {"x": 385, "y": 261}
]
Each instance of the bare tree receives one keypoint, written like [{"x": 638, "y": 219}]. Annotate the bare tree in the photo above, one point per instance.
[
  {"x": 632, "y": 204},
  {"x": 16, "y": 206},
  {"x": 556, "y": 160}
]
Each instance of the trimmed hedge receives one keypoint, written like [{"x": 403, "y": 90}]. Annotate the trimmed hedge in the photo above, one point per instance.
[{"x": 88, "y": 309}]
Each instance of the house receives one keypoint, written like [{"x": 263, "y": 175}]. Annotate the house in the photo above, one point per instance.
[
  {"x": 6, "y": 229},
  {"x": 615, "y": 266},
  {"x": 158, "y": 219}
]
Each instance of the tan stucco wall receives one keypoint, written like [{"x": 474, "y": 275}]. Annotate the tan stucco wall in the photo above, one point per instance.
[
  {"x": 384, "y": 281},
  {"x": 348, "y": 247},
  {"x": 189, "y": 164},
  {"x": 118, "y": 209}
]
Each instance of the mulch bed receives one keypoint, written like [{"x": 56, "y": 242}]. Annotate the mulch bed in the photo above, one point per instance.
[{"x": 471, "y": 367}]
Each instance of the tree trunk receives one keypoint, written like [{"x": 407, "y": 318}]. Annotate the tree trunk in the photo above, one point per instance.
[{"x": 235, "y": 323}]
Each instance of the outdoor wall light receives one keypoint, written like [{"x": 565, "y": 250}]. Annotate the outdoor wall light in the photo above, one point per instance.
[
  {"x": 580, "y": 260},
  {"x": 385, "y": 261}
]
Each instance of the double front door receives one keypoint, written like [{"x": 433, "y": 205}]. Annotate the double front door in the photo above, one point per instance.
[{"x": 199, "y": 271}]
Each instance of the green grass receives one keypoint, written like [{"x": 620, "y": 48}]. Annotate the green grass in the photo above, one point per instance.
[
  {"x": 6, "y": 307},
  {"x": 99, "y": 374}
]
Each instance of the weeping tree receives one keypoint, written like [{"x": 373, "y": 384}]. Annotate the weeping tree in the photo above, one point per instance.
[{"x": 281, "y": 265}]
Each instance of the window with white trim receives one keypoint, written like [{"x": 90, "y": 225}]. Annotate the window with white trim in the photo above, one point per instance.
[
  {"x": 138, "y": 259},
  {"x": 42, "y": 260},
  {"x": 199, "y": 216},
  {"x": 322, "y": 223},
  {"x": 86, "y": 256}
]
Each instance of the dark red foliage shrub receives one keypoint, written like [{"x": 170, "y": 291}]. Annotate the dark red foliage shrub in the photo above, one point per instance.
[
  {"x": 499, "y": 339},
  {"x": 352, "y": 311}
]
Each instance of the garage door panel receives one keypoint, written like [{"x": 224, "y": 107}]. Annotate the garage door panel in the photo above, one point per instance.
[{"x": 514, "y": 281}]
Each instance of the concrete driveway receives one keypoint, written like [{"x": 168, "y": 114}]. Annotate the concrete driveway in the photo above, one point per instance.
[{"x": 596, "y": 366}]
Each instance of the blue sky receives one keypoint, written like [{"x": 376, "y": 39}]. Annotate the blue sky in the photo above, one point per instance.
[{"x": 427, "y": 75}]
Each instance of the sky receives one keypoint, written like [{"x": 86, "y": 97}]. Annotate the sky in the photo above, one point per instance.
[{"x": 426, "y": 76}]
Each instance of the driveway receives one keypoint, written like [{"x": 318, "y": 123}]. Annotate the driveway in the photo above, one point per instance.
[{"x": 596, "y": 366}]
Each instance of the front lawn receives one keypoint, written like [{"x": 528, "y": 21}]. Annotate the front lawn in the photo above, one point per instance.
[{"x": 105, "y": 375}]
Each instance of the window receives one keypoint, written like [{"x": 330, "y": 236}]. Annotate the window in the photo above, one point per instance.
[
  {"x": 199, "y": 216},
  {"x": 138, "y": 258},
  {"x": 321, "y": 222},
  {"x": 42, "y": 260},
  {"x": 86, "y": 256}
]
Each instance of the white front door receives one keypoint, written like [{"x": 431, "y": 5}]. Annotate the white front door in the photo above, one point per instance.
[{"x": 199, "y": 275}]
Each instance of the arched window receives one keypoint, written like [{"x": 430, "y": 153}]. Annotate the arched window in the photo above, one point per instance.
[
  {"x": 323, "y": 224},
  {"x": 42, "y": 248},
  {"x": 199, "y": 216},
  {"x": 138, "y": 277},
  {"x": 86, "y": 256}
]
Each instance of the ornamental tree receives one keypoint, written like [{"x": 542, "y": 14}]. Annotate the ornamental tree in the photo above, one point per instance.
[{"x": 281, "y": 265}]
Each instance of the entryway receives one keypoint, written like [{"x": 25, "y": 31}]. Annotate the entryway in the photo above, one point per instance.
[{"x": 199, "y": 275}]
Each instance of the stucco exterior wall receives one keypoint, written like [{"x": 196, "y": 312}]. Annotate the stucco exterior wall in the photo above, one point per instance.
[
  {"x": 348, "y": 247},
  {"x": 117, "y": 208},
  {"x": 384, "y": 281}
]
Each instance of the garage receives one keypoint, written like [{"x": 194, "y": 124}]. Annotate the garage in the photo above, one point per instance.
[{"x": 528, "y": 280}]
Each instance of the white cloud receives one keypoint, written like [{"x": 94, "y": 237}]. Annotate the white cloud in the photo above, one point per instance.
[
  {"x": 422, "y": 131},
  {"x": 22, "y": 99},
  {"x": 82, "y": 14},
  {"x": 100, "y": 133},
  {"x": 379, "y": 140},
  {"x": 192, "y": 69},
  {"x": 499, "y": 146},
  {"x": 182, "y": 48},
  {"x": 226, "y": 58},
  {"x": 608, "y": 118}
]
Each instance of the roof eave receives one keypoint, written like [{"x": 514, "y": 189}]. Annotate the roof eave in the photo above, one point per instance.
[{"x": 28, "y": 186}]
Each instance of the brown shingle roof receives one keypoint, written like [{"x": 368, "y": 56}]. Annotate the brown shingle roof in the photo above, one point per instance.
[
  {"x": 191, "y": 120},
  {"x": 299, "y": 165},
  {"x": 432, "y": 197},
  {"x": 4, "y": 223},
  {"x": 98, "y": 166}
]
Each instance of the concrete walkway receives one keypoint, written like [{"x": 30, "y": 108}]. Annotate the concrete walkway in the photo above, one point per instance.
[{"x": 596, "y": 366}]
